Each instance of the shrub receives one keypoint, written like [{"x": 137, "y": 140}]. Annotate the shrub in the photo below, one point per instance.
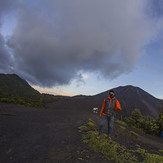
[
  {"x": 153, "y": 127},
  {"x": 161, "y": 152}
]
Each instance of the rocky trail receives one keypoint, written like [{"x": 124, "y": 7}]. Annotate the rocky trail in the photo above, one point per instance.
[{"x": 31, "y": 135}]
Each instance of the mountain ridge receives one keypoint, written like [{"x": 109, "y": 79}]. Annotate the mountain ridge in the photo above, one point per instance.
[
  {"x": 132, "y": 97},
  {"x": 13, "y": 88}
]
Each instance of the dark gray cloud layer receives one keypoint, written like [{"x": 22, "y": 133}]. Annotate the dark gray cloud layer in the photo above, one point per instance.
[
  {"x": 54, "y": 40},
  {"x": 6, "y": 62}
]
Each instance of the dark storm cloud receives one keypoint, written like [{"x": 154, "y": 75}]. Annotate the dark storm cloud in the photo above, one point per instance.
[
  {"x": 54, "y": 40},
  {"x": 6, "y": 62},
  {"x": 5, "y": 58},
  {"x": 6, "y": 5}
]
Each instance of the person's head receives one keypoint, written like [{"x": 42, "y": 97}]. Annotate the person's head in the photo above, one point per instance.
[{"x": 111, "y": 93}]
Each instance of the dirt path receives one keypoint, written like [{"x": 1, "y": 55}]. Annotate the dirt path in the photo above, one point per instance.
[{"x": 29, "y": 135}]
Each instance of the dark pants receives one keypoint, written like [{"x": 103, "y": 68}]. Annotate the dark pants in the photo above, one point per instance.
[{"x": 110, "y": 120}]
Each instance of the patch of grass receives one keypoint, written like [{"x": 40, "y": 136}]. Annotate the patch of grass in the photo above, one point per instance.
[
  {"x": 152, "y": 158},
  {"x": 121, "y": 122},
  {"x": 90, "y": 120},
  {"x": 88, "y": 126},
  {"x": 122, "y": 127},
  {"x": 134, "y": 133},
  {"x": 161, "y": 152},
  {"x": 149, "y": 157},
  {"x": 82, "y": 128},
  {"x": 111, "y": 150}
]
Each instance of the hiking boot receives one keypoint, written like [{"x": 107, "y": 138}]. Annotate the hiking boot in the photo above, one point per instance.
[
  {"x": 108, "y": 137},
  {"x": 98, "y": 137}
]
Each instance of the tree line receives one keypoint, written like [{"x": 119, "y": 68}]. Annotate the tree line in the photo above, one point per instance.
[{"x": 144, "y": 123}]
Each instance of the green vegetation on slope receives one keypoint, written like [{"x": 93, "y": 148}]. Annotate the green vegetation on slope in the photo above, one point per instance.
[
  {"x": 154, "y": 127},
  {"x": 111, "y": 150},
  {"x": 13, "y": 89}
]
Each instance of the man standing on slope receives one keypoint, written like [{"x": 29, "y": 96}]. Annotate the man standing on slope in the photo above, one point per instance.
[{"x": 107, "y": 113}]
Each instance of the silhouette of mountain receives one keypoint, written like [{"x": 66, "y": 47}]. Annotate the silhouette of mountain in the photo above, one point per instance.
[
  {"x": 13, "y": 89},
  {"x": 130, "y": 98}
]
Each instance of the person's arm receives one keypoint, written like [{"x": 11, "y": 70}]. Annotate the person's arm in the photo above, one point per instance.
[
  {"x": 102, "y": 109},
  {"x": 118, "y": 106}
]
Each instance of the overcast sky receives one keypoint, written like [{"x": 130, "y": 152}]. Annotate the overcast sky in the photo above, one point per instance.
[{"x": 83, "y": 46}]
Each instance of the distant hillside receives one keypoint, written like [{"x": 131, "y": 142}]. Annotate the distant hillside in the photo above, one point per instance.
[
  {"x": 130, "y": 97},
  {"x": 13, "y": 89}
]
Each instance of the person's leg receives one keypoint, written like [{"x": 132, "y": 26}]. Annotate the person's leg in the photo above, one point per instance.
[
  {"x": 102, "y": 122},
  {"x": 110, "y": 124}
]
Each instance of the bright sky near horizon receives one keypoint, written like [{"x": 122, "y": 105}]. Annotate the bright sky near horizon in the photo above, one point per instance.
[{"x": 83, "y": 47}]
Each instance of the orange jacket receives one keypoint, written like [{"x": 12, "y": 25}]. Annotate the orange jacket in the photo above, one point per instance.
[{"x": 117, "y": 106}]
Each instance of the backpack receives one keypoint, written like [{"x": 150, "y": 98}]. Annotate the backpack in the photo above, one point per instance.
[{"x": 109, "y": 106}]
